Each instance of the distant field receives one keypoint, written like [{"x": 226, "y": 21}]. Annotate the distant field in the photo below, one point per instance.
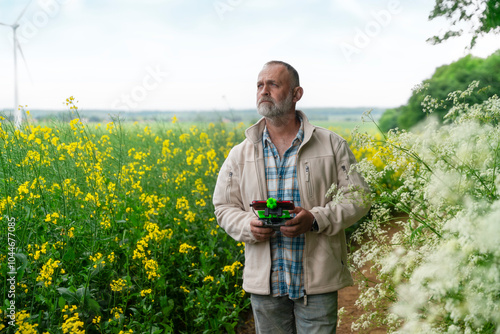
[
  {"x": 347, "y": 117},
  {"x": 343, "y": 126},
  {"x": 340, "y": 126}
]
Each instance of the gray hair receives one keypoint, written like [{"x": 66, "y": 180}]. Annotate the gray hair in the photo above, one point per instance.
[{"x": 294, "y": 75}]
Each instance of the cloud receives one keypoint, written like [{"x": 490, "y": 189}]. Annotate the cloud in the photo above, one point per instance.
[
  {"x": 99, "y": 50},
  {"x": 352, "y": 7}
]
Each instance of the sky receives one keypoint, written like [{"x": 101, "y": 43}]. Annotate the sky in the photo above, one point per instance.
[{"x": 134, "y": 55}]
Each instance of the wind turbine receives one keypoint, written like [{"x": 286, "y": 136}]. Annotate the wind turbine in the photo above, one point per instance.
[{"x": 17, "y": 112}]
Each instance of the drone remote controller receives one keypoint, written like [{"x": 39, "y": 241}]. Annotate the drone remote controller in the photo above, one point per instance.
[{"x": 272, "y": 213}]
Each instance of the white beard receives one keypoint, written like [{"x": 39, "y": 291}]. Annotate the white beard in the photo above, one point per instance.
[{"x": 275, "y": 110}]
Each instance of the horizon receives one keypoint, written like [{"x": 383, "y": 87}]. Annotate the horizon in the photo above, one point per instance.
[{"x": 27, "y": 108}]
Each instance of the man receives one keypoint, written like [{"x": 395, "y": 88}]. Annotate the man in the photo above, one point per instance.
[{"x": 293, "y": 274}]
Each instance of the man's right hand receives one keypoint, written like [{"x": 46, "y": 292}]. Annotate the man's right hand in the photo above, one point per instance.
[{"x": 260, "y": 233}]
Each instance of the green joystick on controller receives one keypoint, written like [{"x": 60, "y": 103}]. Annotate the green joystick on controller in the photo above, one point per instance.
[{"x": 271, "y": 203}]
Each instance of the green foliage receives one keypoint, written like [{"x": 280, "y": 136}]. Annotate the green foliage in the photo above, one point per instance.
[
  {"x": 446, "y": 79},
  {"x": 389, "y": 119},
  {"x": 482, "y": 16}
]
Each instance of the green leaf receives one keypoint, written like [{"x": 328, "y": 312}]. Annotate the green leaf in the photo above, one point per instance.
[
  {"x": 61, "y": 302},
  {"x": 92, "y": 304},
  {"x": 82, "y": 292},
  {"x": 167, "y": 305},
  {"x": 229, "y": 328},
  {"x": 24, "y": 263},
  {"x": 69, "y": 256},
  {"x": 69, "y": 296}
]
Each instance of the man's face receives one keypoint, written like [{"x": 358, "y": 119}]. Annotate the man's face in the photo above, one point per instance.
[{"x": 274, "y": 93}]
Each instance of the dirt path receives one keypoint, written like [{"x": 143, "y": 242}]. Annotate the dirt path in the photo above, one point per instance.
[{"x": 347, "y": 298}]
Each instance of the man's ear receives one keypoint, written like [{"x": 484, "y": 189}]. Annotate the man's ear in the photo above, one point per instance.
[{"x": 297, "y": 94}]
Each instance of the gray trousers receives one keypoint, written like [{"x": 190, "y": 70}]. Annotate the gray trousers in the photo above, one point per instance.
[{"x": 276, "y": 315}]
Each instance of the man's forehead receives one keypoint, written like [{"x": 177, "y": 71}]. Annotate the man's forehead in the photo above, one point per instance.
[{"x": 273, "y": 72}]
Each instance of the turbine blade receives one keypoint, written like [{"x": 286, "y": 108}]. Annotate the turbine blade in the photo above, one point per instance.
[
  {"x": 24, "y": 59},
  {"x": 7, "y": 25},
  {"x": 22, "y": 13}
]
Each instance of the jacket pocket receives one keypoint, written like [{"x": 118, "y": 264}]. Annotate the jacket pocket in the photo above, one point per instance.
[{"x": 346, "y": 173}]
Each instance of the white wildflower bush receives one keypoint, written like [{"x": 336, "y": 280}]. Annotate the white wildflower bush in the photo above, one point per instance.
[{"x": 440, "y": 271}]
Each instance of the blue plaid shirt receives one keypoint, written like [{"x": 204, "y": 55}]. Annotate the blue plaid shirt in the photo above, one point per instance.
[{"x": 287, "y": 272}]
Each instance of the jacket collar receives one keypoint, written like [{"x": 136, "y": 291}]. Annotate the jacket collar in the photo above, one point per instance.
[{"x": 254, "y": 133}]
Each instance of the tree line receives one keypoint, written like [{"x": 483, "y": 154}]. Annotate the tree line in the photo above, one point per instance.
[{"x": 446, "y": 79}]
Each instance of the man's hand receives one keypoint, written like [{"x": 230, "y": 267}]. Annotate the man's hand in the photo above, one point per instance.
[
  {"x": 260, "y": 233},
  {"x": 300, "y": 224}
]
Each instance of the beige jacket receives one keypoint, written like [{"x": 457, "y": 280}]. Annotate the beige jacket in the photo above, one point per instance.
[{"x": 323, "y": 159}]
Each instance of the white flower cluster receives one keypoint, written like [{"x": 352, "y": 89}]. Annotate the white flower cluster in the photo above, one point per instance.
[{"x": 440, "y": 271}]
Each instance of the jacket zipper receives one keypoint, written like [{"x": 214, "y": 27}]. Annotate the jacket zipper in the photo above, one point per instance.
[
  {"x": 305, "y": 264},
  {"x": 308, "y": 180},
  {"x": 228, "y": 186}
]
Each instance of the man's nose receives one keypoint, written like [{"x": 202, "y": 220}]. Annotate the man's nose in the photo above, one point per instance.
[{"x": 265, "y": 90}]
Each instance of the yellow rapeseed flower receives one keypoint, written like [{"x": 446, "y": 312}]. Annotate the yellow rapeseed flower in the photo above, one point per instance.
[
  {"x": 73, "y": 325},
  {"x": 190, "y": 217},
  {"x": 208, "y": 278},
  {"x": 184, "y": 138},
  {"x": 24, "y": 326},
  {"x": 145, "y": 292},
  {"x": 118, "y": 285},
  {"x": 184, "y": 248},
  {"x": 47, "y": 272},
  {"x": 105, "y": 224},
  {"x": 116, "y": 312},
  {"x": 97, "y": 258},
  {"x": 236, "y": 265},
  {"x": 151, "y": 267},
  {"x": 52, "y": 217}
]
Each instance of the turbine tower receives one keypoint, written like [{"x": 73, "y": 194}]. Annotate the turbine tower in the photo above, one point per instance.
[{"x": 17, "y": 112}]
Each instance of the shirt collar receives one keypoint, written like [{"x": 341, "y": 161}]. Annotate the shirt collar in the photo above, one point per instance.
[{"x": 266, "y": 138}]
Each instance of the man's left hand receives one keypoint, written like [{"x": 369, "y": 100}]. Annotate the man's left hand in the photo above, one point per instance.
[{"x": 300, "y": 224}]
